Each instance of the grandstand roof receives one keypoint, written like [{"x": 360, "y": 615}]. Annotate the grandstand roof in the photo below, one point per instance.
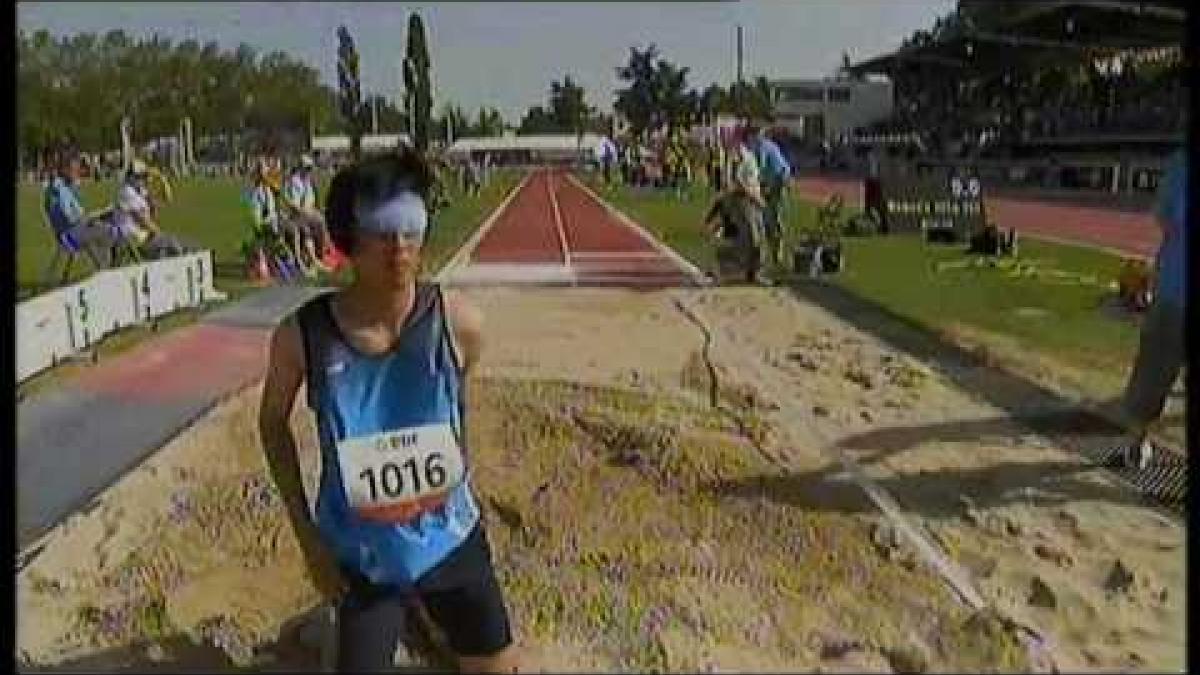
[
  {"x": 1091, "y": 24},
  {"x": 985, "y": 34}
]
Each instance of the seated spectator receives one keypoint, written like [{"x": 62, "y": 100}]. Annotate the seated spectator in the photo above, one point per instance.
[
  {"x": 74, "y": 229},
  {"x": 300, "y": 200},
  {"x": 132, "y": 217}
]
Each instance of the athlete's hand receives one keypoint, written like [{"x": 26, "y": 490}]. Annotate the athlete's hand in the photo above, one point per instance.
[
  {"x": 323, "y": 570},
  {"x": 322, "y": 567}
]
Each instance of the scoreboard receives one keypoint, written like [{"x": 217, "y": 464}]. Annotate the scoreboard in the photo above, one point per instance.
[{"x": 943, "y": 205}]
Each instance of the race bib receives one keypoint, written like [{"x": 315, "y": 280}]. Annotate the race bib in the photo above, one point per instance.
[{"x": 395, "y": 476}]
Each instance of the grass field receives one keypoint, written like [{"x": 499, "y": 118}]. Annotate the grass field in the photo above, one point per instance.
[
  {"x": 1049, "y": 300},
  {"x": 209, "y": 212}
]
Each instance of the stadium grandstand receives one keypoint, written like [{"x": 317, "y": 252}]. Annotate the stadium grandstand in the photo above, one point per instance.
[{"x": 1085, "y": 95}]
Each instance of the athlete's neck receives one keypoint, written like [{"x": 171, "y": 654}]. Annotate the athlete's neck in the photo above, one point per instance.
[{"x": 384, "y": 306}]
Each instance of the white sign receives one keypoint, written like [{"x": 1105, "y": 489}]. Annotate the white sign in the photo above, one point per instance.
[
  {"x": 68, "y": 320},
  {"x": 42, "y": 334},
  {"x": 393, "y": 476}
]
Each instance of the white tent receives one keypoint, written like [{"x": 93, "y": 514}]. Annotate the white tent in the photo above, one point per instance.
[
  {"x": 534, "y": 147},
  {"x": 370, "y": 143}
]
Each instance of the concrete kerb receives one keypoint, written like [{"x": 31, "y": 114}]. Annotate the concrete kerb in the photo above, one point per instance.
[{"x": 464, "y": 251}]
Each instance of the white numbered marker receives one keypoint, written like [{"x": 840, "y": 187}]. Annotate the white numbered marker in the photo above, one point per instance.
[{"x": 395, "y": 476}]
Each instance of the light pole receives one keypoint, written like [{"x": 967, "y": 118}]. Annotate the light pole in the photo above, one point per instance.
[{"x": 737, "y": 102}]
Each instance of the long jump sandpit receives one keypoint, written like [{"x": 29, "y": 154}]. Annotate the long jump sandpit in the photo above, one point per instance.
[{"x": 666, "y": 494}]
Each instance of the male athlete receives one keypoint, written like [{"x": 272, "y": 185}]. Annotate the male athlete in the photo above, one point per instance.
[
  {"x": 385, "y": 364},
  {"x": 1162, "y": 346}
]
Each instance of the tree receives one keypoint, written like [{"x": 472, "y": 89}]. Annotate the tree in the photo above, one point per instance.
[
  {"x": 537, "y": 121},
  {"x": 351, "y": 89},
  {"x": 714, "y": 101},
  {"x": 391, "y": 118},
  {"x": 451, "y": 123},
  {"x": 568, "y": 108},
  {"x": 638, "y": 102},
  {"x": 567, "y": 112},
  {"x": 81, "y": 86},
  {"x": 488, "y": 122},
  {"x": 416, "y": 82},
  {"x": 753, "y": 100},
  {"x": 657, "y": 93}
]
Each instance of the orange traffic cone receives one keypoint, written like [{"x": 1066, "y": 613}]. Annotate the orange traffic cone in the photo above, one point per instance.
[
  {"x": 333, "y": 258},
  {"x": 259, "y": 273}
]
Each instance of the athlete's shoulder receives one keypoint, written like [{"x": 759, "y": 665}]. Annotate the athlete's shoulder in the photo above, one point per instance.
[
  {"x": 464, "y": 315},
  {"x": 304, "y": 317}
]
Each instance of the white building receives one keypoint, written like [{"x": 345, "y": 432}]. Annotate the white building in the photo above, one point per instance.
[
  {"x": 331, "y": 145},
  {"x": 529, "y": 149},
  {"x": 821, "y": 110}
]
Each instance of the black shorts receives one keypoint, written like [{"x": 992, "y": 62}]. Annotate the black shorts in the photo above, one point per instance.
[{"x": 461, "y": 595}]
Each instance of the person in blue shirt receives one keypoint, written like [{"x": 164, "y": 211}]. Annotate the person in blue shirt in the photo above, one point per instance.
[
  {"x": 385, "y": 363},
  {"x": 774, "y": 173},
  {"x": 74, "y": 228},
  {"x": 1161, "y": 351}
]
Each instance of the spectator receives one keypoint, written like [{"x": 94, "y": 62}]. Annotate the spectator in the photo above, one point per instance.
[
  {"x": 300, "y": 198},
  {"x": 608, "y": 158},
  {"x": 726, "y": 218},
  {"x": 133, "y": 217},
  {"x": 63, "y": 205},
  {"x": 1161, "y": 352},
  {"x": 747, "y": 185},
  {"x": 774, "y": 174},
  {"x": 716, "y": 166},
  {"x": 873, "y": 202}
]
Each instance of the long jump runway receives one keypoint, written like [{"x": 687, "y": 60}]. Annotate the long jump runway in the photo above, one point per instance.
[{"x": 553, "y": 230}]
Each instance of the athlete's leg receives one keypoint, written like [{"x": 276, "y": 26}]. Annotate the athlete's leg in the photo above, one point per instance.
[
  {"x": 1158, "y": 361},
  {"x": 370, "y": 622},
  {"x": 464, "y": 598}
]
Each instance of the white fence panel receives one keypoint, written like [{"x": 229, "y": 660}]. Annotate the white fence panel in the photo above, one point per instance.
[
  {"x": 43, "y": 336},
  {"x": 65, "y": 321}
]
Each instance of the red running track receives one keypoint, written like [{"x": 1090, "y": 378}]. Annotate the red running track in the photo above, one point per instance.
[
  {"x": 555, "y": 231},
  {"x": 1123, "y": 232}
]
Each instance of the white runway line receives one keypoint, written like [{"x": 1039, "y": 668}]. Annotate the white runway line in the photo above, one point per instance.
[
  {"x": 558, "y": 223},
  {"x": 698, "y": 277},
  {"x": 467, "y": 248}
]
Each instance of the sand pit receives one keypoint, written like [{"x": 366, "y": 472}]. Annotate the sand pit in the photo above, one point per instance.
[{"x": 637, "y": 527}]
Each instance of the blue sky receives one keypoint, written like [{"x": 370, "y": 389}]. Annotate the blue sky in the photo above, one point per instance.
[{"x": 506, "y": 54}]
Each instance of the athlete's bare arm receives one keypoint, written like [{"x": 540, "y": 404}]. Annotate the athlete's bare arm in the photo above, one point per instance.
[
  {"x": 285, "y": 372},
  {"x": 466, "y": 323}
]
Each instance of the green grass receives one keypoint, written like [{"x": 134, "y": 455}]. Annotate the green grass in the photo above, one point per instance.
[
  {"x": 209, "y": 212},
  {"x": 457, "y": 222},
  {"x": 675, "y": 222},
  {"x": 205, "y": 211},
  {"x": 1045, "y": 309}
]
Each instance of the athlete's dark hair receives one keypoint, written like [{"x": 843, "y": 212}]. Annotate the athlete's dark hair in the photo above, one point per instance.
[{"x": 370, "y": 182}]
